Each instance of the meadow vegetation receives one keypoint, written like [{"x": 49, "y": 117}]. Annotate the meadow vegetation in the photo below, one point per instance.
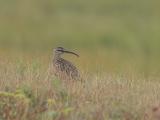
[
  {"x": 30, "y": 91},
  {"x": 118, "y": 43}
]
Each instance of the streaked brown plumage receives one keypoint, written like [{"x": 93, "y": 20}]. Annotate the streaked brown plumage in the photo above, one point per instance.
[{"x": 64, "y": 69}]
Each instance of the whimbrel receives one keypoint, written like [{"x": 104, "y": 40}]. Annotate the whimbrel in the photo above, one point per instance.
[{"x": 64, "y": 69}]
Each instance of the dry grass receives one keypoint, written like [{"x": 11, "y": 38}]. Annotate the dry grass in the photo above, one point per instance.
[
  {"x": 102, "y": 96},
  {"x": 112, "y": 36}
]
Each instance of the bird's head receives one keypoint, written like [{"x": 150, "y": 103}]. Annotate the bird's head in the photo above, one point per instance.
[{"x": 60, "y": 50}]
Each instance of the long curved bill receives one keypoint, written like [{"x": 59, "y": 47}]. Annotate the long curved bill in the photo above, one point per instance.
[{"x": 71, "y": 53}]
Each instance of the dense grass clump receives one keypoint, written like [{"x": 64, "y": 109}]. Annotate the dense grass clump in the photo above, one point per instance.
[
  {"x": 13, "y": 106},
  {"x": 35, "y": 94}
]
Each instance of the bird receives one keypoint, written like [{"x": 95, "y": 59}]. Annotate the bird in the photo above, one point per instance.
[{"x": 64, "y": 69}]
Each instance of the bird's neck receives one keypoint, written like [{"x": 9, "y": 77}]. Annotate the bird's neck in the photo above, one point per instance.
[{"x": 56, "y": 57}]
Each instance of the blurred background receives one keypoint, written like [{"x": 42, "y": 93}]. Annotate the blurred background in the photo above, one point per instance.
[{"x": 110, "y": 35}]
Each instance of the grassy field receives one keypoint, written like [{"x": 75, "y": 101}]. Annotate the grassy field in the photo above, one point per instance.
[
  {"x": 118, "y": 43},
  {"x": 29, "y": 91}
]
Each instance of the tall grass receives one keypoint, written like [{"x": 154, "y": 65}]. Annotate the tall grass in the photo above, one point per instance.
[
  {"x": 118, "y": 43},
  {"x": 103, "y": 96}
]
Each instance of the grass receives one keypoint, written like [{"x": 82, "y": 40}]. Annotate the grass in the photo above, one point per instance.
[
  {"x": 118, "y": 43},
  {"x": 105, "y": 96},
  {"x": 124, "y": 26}
]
